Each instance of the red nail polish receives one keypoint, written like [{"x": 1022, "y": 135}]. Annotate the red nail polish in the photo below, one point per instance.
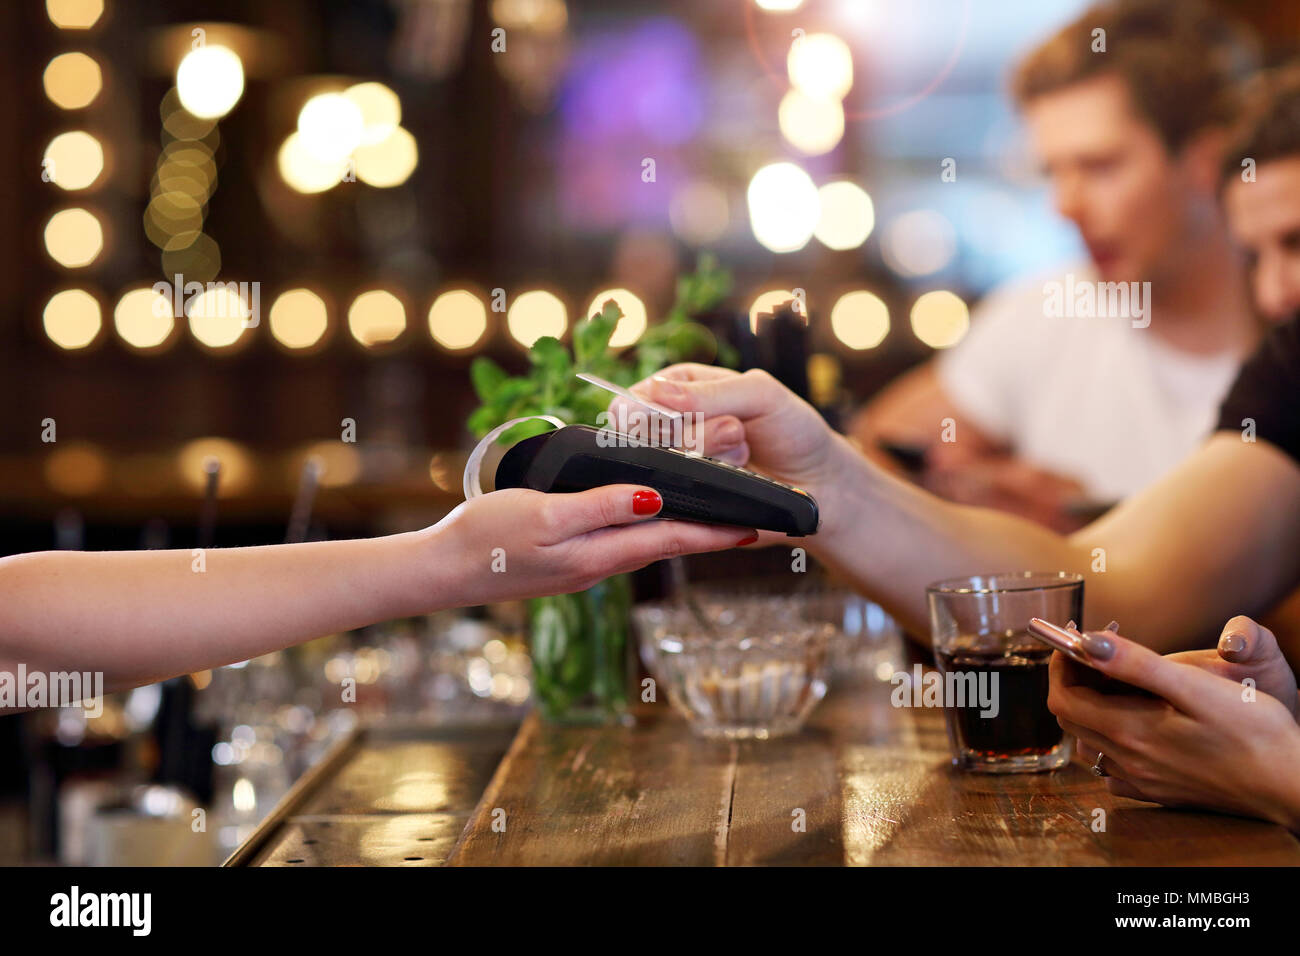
[
  {"x": 749, "y": 540},
  {"x": 646, "y": 502}
]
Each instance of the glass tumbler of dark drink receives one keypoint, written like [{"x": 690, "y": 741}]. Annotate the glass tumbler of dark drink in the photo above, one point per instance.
[{"x": 993, "y": 674}]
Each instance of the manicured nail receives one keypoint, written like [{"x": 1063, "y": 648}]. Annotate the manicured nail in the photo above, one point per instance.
[
  {"x": 1113, "y": 627},
  {"x": 646, "y": 502},
  {"x": 1098, "y": 647},
  {"x": 747, "y": 540},
  {"x": 1232, "y": 643}
]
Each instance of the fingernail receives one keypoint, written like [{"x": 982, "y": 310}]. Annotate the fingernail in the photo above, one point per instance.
[
  {"x": 1098, "y": 647},
  {"x": 1113, "y": 627},
  {"x": 729, "y": 435},
  {"x": 1232, "y": 643},
  {"x": 747, "y": 540},
  {"x": 646, "y": 502},
  {"x": 1071, "y": 626},
  {"x": 668, "y": 389}
]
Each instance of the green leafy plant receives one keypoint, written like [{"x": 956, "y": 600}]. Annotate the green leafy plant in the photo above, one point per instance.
[
  {"x": 551, "y": 387},
  {"x": 579, "y": 641}
]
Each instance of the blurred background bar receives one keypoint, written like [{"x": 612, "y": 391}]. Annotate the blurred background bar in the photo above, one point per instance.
[{"x": 371, "y": 193}]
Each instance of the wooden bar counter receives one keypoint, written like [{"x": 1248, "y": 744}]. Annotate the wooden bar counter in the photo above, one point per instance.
[{"x": 865, "y": 783}]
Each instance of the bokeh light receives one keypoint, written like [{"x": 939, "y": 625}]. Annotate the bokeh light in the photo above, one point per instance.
[
  {"x": 376, "y": 317},
  {"x": 74, "y": 160},
  {"x": 389, "y": 162},
  {"x": 74, "y": 14},
  {"x": 632, "y": 324},
  {"x": 74, "y": 238},
  {"x": 330, "y": 127},
  {"x": 847, "y": 216},
  {"x": 444, "y": 475},
  {"x": 457, "y": 319},
  {"x": 783, "y": 207},
  {"x": 940, "y": 319},
  {"x": 544, "y": 17},
  {"x": 72, "y": 81},
  {"x": 173, "y": 219},
  {"x": 381, "y": 110},
  {"x": 918, "y": 243},
  {"x": 188, "y": 167},
  {"x": 303, "y": 171},
  {"x": 144, "y": 319},
  {"x": 72, "y": 319},
  {"x": 811, "y": 125},
  {"x": 820, "y": 66},
  {"x": 699, "y": 213},
  {"x": 237, "y": 465},
  {"x": 298, "y": 319},
  {"x": 217, "y": 316},
  {"x": 180, "y": 124},
  {"x": 339, "y": 461},
  {"x": 210, "y": 81},
  {"x": 860, "y": 319},
  {"x": 193, "y": 255},
  {"x": 76, "y": 469},
  {"x": 535, "y": 314},
  {"x": 767, "y": 302}
]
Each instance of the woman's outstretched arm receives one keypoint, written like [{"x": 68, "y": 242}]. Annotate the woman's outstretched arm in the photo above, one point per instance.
[{"x": 141, "y": 616}]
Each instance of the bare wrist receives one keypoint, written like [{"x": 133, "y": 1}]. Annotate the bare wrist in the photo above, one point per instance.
[
  {"x": 427, "y": 566},
  {"x": 838, "y": 495}
]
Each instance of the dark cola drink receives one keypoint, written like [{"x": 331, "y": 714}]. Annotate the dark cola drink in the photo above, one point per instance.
[{"x": 1021, "y": 730}]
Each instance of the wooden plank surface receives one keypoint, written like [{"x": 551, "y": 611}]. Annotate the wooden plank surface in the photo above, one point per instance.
[
  {"x": 864, "y": 784},
  {"x": 396, "y": 796}
]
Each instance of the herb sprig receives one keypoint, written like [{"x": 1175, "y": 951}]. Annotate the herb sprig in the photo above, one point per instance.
[{"x": 550, "y": 386}]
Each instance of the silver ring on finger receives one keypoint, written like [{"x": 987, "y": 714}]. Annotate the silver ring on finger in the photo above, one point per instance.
[{"x": 1097, "y": 768}]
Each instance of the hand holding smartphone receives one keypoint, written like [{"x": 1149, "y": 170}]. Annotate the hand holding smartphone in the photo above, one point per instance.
[{"x": 1069, "y": 641}]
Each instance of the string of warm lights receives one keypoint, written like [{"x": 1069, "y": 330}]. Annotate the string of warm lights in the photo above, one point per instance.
[
  {"x": 75, "y": 162},
  {"x": 458, "y": 318},
  {"x": 350, "y": 133}
]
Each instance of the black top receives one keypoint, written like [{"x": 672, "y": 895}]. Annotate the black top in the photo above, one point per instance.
[{"x": 1267, "y": 391}]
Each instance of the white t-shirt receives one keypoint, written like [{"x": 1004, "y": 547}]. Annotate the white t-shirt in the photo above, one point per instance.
[{"x": 1092, "y": 398}]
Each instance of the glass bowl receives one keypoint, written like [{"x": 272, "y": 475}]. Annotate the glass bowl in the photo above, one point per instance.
[{"x": 753, "y": 667}]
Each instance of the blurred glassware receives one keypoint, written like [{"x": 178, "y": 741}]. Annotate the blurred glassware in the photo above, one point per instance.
[
  {"x": 868, "y": 643},
  {"x": 758, "y": 669},
  {"x": 149, "y": 825},
  {"x": 278, "y": 714}
]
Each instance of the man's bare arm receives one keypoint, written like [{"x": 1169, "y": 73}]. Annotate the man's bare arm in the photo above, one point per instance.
[{"x": 1215, "y": 538}]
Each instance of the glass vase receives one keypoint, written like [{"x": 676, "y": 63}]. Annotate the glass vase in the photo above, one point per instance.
[{"x": 579, "y": 651}]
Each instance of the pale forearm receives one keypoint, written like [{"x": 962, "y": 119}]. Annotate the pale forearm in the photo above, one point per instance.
[
  {"x": 138, "y": 617},
  {"x": 142, "y": 616}
]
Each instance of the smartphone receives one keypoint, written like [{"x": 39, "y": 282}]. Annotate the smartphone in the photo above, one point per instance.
[{"x": 1069, "y": 641}]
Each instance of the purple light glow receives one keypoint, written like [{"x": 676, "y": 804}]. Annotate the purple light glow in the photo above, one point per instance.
[{"x": 630, "y": 94}]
